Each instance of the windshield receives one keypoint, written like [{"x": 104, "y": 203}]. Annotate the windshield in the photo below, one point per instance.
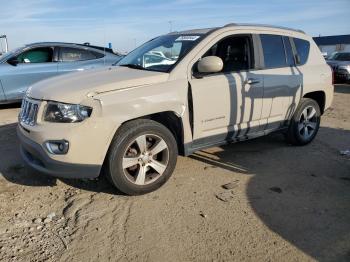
[
  {"x": 340, "y": 57},
  {"x": 161, "y": 53},
  {"x": 7, "y": 55}
]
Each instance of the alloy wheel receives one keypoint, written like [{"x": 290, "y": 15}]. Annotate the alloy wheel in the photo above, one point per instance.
[
  {"x": 308, "y": 122},
  {"x": 145, "y": 159}
]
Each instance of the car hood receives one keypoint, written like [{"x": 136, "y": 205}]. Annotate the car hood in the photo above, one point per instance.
[
  {"x": 75, "y": 87},
  {"x": 338, "y": 63}
]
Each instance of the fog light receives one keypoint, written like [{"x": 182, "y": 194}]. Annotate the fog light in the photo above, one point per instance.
[{"x": 57, "y": 147}]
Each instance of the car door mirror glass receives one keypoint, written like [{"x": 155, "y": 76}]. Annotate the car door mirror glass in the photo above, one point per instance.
[{"x": 210, "y": 64}]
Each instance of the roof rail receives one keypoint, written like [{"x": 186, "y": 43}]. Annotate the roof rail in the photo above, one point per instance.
[{"x": 270, "y": 26}]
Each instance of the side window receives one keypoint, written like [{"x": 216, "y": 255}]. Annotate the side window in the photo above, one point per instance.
[
  {"x": 36, "y": 55},
  {"x": 68, "y": 54},
  {"x": 302, "y": 47},
  {"x": 273, "y": 49},
  {"x": 236, "y": 52},
  {"x": 289, "y": 51}
]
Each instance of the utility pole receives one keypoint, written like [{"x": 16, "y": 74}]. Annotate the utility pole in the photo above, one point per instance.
[{"x": 6, "y": 43}]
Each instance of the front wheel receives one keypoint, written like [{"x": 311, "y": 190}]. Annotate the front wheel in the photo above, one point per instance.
[
  {"x": 142, "y": 157},
  {"x": 305, "y": 122}
]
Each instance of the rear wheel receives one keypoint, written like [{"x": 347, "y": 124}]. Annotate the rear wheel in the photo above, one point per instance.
[
  {"x": 142, "y": 157},
  {"x": 305, "y": 122}
]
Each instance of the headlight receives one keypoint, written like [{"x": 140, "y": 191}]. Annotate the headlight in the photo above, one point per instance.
[
  {"x": 66, "y": 113},
  {"x": 347, "y": 68}
]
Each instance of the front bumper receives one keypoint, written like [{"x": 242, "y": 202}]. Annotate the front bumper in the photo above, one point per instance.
[
  {"x": 342, "y": 75},
  {"x": 37, "y": 158}
]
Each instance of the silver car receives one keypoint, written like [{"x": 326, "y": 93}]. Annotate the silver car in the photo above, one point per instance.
[
  {"x": 24, "y": 66},
  {"x": 340, "y": 63}
]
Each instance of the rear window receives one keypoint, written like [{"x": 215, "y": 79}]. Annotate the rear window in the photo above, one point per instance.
[
  {"x": 273, "y": 49},
  {"x": 303, "y": 48}
]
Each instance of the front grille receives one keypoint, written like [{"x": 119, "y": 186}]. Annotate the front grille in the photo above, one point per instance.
[
  {"x": 342, "y": 71},
  {"x": 29, "y": 112}
]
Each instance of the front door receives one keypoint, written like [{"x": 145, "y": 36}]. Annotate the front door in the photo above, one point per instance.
[
  {"x": 34, "y": 65},
  {"x": 2, "y": 94},
  {"x": 227, "y": 104}
]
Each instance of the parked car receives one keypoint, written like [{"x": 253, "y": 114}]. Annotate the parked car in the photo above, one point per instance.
[
  {"x": 27, "y": 65},
  {"x": 325, "y": 55},
  {"x": 153, "y": 60},
  {"x": 340, "y": 63},
  {"x": 228, "y": 84}
]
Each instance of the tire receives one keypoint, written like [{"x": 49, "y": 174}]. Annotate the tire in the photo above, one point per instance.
[
  {"x": 303, "y": 130},
  {"x": 133, "y": 172}
]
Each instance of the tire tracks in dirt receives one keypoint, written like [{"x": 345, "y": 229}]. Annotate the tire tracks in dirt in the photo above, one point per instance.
[{"x": 99, "y": 224}]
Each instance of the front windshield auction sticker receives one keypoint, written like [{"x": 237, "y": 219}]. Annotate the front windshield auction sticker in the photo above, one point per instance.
[{"x": 187, "y": 38}]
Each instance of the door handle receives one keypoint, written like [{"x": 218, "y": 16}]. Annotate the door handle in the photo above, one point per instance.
[{"x": 252, "y": 81}]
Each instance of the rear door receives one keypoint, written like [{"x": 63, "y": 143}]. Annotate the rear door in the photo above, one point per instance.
[
  {"x": 282, "y": 80},
  {"x": 35, "y": 64},
  {"x": 74, "y": 59}
]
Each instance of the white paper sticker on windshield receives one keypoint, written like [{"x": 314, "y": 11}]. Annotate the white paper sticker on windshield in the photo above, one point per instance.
[{"x": 187, "y": 38}]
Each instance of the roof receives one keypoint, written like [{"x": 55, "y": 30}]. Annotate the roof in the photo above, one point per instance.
[
  {"x": 109, "y": 50},
  {"x": 195, "y": 31},
  {"x": 332, "y": 40},
  {"x": 208, "y": 30}
]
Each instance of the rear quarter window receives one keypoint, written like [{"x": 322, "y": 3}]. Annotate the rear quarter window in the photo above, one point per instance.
[
  {"x": 98, "y": 55},
  {"x": 68, "y": 54},
  {"x": 303, "y": 49}
]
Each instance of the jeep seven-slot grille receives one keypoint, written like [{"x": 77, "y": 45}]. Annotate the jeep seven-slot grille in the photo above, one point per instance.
[{"x": 29, "y": 112}]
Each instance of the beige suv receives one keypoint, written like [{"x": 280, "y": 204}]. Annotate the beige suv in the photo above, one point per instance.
[{"x": 176, "y": 94}]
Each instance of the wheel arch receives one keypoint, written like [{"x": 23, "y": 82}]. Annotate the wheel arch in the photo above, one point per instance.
[
  {"x": 319, "y": 97},
  {"x": 171, "y": 121}
]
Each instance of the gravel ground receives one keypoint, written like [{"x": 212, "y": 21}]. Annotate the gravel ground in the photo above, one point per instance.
[{"x": 279, "y": 203}]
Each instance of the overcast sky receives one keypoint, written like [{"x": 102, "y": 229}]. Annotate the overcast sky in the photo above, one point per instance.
[{"x": 124, "y": 22}]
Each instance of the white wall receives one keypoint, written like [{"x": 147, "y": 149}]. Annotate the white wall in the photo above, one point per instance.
[{"x": 329, "y": 49}]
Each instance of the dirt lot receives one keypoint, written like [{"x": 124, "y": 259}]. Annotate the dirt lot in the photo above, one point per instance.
[{"x": 285, "y": 204}]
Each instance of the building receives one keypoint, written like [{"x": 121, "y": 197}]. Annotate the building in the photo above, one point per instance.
[{"x": 334, "y": 43}]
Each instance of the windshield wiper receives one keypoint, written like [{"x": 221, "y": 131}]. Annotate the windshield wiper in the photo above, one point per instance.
[{"x": 134, "y": 66}]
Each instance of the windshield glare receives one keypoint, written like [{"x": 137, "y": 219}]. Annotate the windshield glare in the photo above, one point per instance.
[{"x": 161, "y": 53}]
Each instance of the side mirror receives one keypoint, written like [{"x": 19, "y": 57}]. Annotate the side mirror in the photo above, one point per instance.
[
  {"x": 210, "y": 64},
  {"x": 13, "y": 61},
  {"x": 297, "y": 59}
]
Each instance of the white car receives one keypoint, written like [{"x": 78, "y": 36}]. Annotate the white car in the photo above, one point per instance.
[{"x": 229, "y": 84}]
